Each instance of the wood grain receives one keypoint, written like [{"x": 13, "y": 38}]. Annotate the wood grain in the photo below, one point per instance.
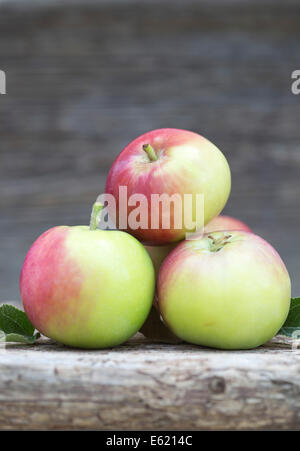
[{"x": 143, "y": 385}]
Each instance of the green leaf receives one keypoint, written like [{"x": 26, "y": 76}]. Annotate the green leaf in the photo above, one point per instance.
[
  {"x": 291, "y": 327},
  {"x": 16, "y": 338},
  {"x": 294, "y": 302},
  {"x": 15, "y": 326},
  {"x": 293, "y": 319}
]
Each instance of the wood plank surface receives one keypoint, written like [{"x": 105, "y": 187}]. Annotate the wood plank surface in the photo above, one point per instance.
[{"x": 142, "y": 385}]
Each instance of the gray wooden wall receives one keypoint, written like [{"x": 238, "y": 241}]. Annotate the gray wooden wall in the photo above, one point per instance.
[{"x": 86, "y": 77}]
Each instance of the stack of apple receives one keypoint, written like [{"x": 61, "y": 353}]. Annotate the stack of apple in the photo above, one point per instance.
[{"x": 227, "y": 288}]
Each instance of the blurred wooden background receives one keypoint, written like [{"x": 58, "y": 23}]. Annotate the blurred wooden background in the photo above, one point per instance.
[{"x": 86, "y": 77}]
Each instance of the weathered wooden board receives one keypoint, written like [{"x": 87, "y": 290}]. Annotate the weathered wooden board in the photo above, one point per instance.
[{"x": 143, "y": 385}]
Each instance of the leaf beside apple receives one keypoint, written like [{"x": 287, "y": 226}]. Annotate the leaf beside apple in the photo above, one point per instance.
[
  {"x": 292, "y": 323},
  {"x": 15, "y": 326}
]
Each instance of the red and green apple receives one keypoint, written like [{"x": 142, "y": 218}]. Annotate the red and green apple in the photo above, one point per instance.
[
  {"x": 87, "y": 287},
  {"x": 154, "y": 327},
  {"x": 169, "y": 162},
  {"x": 227, "y": 290}
]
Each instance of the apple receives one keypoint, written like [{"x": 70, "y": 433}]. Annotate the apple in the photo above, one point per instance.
[
  {"x": 223, "y": 222},
  {"x": 87, "y": 287},
  {"x": 227, "y": 290},
  {"x": 154, "y": 328},
  {"x": 168, "y": 162}
]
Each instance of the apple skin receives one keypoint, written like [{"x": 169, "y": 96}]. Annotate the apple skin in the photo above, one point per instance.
[
  {"x": 88, "y": 289},
  {"x": 187, "y": 164},
  {"x": 223, "y": 222},
  {"x": 234, "y": 297}
]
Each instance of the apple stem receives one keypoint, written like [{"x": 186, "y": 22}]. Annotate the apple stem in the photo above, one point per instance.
[
  {"x": 218, "y": 241},
  {"x": 150, "y": 151},
  {"x": 95, "y": 216}
]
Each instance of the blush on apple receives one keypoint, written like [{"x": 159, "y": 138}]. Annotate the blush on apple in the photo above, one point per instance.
[
  {"x": 169, "y": 162},
  {"x": 227, "y": 290}
]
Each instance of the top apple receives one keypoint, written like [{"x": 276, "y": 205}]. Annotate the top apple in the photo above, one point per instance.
[{"x": 160, "y": 164}]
